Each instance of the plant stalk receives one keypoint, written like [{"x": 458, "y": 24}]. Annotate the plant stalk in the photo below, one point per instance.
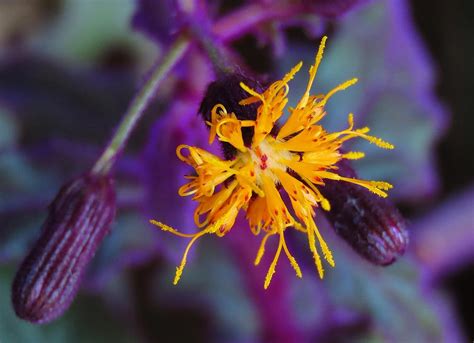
[{"x": 139, "y": 104}]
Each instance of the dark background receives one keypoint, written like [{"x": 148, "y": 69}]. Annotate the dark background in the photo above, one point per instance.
[{"x": 448, "y": 30}]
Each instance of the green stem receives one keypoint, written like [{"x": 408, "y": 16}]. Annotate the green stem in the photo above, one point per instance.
[
  {"x": 138, "y": 105},
  {"x": 216, "y": 54}
]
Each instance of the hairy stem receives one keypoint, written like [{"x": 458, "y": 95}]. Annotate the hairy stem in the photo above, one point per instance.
[{"x": 138, "y": 105}]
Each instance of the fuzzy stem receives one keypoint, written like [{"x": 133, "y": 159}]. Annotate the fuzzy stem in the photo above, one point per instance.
[
  {"x": 217, "y": 55},
  {"x": 138, "y": 105},
  {"x": 233, "y": 26}
]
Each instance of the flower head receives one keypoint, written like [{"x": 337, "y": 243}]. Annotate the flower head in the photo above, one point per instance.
[{"x": 295, "y": 159}]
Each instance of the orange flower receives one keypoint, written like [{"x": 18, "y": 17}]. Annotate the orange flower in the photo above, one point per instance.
[{"x": 297, "y": 157}]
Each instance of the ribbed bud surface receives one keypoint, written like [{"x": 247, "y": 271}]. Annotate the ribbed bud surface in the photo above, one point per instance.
[
  {"x": 79, "y": 218},
  {"x": 370, "y": 224}
]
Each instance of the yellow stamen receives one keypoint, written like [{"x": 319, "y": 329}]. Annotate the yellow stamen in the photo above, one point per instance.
[
  {"x": 292, "y": 260},
  {"x": 312, "y": 72},
  {"x": 230, "y": 130},
  {"x": 353, "y": 155},
  {"x": 217, "y": 111},
  {"x": 273, "y": 102},
  {"x": 255, "y": 96},
  {"x": 179, "y": 269},
  {"x": 271, "y": 270},
  {"x": 165, "y": 227},
  {"x": 261, "y": 249},
  {"x": 312, "y": 247},
  {"x": 340, "y": 87},
  {"x": 326, "y": 252}
]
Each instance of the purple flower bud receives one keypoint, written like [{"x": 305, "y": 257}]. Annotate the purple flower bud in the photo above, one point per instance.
[
  {"x": 370, "y": 224},
  {"x": 79, "y": 218},
  {"x": 226, "y": 90}
]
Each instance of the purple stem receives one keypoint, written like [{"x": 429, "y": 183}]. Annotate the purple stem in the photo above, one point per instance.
[
  {"x": 139, "y": 104},
  {"x": 243, "y": 20}
]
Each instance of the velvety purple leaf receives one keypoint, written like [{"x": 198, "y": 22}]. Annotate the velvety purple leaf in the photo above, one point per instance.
[
  {"x": 332, "y": 8},
  {"x": 159, "y": 20},
  {"x": 397, "y": 303},
  {"x": 274, "y": 304},
  {"x": 53, "y": 101},
  {"x": 444, "y": 239},
  {"x": 163, "y": 172},
  {"x": 162, "y": 20}
]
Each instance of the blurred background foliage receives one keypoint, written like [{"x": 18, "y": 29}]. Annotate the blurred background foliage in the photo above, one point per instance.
[{"x": 68, "y": 69}]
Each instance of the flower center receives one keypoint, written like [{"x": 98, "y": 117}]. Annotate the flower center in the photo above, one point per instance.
[{"x": 266, "y": 159}]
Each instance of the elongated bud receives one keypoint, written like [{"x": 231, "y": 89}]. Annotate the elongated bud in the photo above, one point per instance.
[
  {"x": 79, "y": 218},
  {"x": 370, "y": 224},
  {"x": 226, "y": 90}
]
